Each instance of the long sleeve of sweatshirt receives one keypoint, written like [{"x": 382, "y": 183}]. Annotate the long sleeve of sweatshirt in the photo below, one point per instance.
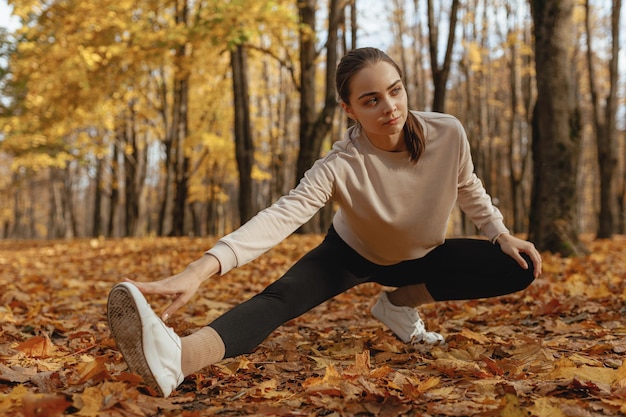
[{"x": 389, "y": 209}]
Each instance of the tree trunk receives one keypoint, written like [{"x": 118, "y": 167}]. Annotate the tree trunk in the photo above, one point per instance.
[
  {"x": 314, "y": 126},
  {"x": 67, "y": 204},
  {"x": 518, "y": 152},
  {"x": 97, "y": 226},
  {"x": 115, "y": 192},
  {"x": 440, "y": 72},
  {"x": 164, "y": 220},
  {"x": 604, "y": 122},
  {"x": 180, "y": 128},
  {"x": 131, "y": 194},
  {"x": 556, "y": 132},
  {"x": 399, "y": 30},
  {"x": 621, "y": 195},
  {"x": 182, "y": 160},
  {"x": 167, "y": 184},
  {"x": 244, "y": 145}
]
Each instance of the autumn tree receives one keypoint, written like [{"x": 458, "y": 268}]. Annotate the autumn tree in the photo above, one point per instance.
[
  {"x": 478, "y": 68},
  {"x": 440, "y": 72},
  {"x": 521, "y": 96},
  {"x": 316, "y": 124},
  {"x": 605, "y": 119},
  {"x": 127, "y": 78},
  {"x": 244, "y": 143},
  {"x": 556, "y": 132},
  {"x": 249, "y": 22}
]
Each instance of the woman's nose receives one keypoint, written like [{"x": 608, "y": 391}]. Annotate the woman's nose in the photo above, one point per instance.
[{"x": 390, "y": 106}]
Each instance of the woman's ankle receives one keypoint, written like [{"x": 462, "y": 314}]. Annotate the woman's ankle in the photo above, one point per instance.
[{"x": 201, "y": 349}]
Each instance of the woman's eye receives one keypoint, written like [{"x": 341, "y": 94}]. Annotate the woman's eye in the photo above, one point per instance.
[
  {"x": 372, "y": 100},
  {"x": 396, "y": 90}
]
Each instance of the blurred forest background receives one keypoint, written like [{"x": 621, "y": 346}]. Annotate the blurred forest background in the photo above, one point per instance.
[{"x": 178, "y": 118}]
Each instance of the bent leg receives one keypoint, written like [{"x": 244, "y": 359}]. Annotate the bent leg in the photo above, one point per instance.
[
  {"x": 462, "y": 269},
  {"x": 330, "y": 269}
]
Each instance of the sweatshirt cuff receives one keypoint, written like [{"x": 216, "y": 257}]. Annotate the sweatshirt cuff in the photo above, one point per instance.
[
  {"x": 225, "y": 255},
  {"x": 494, "y": 229}
]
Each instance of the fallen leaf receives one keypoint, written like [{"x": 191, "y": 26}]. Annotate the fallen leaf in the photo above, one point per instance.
[
  {"x": 37, "y": 347},
  {"x": 44, "y": 405}
]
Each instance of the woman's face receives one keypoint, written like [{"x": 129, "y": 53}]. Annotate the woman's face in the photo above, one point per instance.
[{"x": 378, "y": 101}]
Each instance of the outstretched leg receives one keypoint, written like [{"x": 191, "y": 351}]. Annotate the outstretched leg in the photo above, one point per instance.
[{"x": 330, "y": 269}]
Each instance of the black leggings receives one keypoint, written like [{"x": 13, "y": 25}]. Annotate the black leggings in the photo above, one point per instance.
[{"x": 459, "y": 269}]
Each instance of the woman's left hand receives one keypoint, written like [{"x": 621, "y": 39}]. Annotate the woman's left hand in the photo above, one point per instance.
[{"x": 514, "y": 246}]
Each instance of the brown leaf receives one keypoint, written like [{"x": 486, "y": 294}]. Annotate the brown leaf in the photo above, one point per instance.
[
  {"x": 12, "y": 375},
  {"x": 455, "y": 367},
  {"x": 93, "y": 370},
  {"x": 44, "y": 405},
  {"x": 37, "y": 347}
]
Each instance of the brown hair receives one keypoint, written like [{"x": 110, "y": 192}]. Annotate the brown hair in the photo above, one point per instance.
[{"x": 353, "y": 62}]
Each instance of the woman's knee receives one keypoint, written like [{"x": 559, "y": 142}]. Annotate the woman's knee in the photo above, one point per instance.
[{"x": 526, "y": 276}]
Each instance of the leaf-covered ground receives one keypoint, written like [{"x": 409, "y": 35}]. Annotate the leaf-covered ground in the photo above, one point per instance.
[{"x": 556, "y": 349}]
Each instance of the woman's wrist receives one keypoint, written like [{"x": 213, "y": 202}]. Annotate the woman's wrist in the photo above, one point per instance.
[
  {"x": 205, "y": 267},
  {"x": 497, "y": 237}
]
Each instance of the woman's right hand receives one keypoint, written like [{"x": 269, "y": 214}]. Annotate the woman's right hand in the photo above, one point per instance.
[{"x": 183, "y": 285}]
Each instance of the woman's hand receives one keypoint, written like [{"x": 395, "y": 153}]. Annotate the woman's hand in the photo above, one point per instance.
[
  {"x": 514, "y": 246},
  {"x": 183, "y": 285}
]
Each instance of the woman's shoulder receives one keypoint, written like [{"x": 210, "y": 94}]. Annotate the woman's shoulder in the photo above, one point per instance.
[
  {"x": 436, "y": 119},
  {"x": 342, "y": 154},
  {"x": 347, "y": 146},
  {"x": 440, "y": 125}
]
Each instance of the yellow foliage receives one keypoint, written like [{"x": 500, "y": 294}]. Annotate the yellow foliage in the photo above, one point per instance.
[
  {"x": 474, "y": 55},
  {"x": 88, "y": 66},
  {"x": 38, "y": 161}
]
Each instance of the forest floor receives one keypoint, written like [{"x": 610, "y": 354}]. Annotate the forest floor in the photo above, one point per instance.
[{"x": 555, "y": 349}]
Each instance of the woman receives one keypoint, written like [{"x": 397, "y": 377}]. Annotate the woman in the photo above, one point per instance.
[{"x": 396, "y": 177}]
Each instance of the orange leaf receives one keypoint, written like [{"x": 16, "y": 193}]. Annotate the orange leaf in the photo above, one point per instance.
[
  {"x": 361, "y": 364},
  {"x": 48, "y": 405},
  {"x": 431, "y": 382},
  {"x": 492, "y": 365},
  {"x": 477, "y": 337},
  {"x": 37, "y": 347},
  {"x": 94, "y": 370}
]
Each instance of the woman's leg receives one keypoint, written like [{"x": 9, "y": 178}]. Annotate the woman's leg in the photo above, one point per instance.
[
  {"x": 459, "y": 269},
  {"x": 462, "y": 269},
  {"x": 330, "y": 269}
]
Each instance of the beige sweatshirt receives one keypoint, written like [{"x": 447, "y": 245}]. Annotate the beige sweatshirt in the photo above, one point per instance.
[{"x": 389, "y": 209}]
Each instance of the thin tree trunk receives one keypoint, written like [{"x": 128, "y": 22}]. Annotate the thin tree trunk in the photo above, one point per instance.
[
  {"x": 518, "y": 152},
  {"x": 67, "y": 201},
  {"x": 97, "y": 226},
  {"x": 244, "y": 144},
  {"x": 131, "y": 167},
  {"x": 440, "y": 72},
  {"x": 115, "y": 192},
  {"x": 314, "y": 125},
  {"x": 180, "y": 128},
  {"x": 604, "y": 122},
  {"x": 164, "y": 221},
  {"x": 182, "y": 163}
]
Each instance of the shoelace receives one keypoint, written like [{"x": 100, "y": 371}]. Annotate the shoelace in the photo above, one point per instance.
[{"x": 420, "y": 334}]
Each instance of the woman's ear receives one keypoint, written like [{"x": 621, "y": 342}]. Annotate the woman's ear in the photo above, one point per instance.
[{"x": 348, "y": 110}]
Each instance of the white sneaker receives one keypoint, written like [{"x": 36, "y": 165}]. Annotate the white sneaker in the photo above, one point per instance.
[
  {"x": 150, "y": 348},
  {"x": 405, "y": 322}
]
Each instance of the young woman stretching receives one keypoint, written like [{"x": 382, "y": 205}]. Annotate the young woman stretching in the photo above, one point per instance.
[{"x": 395, "y": 177}]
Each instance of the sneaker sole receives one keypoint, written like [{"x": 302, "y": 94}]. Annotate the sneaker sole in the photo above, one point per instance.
[{"x": 126, "y": 328}]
